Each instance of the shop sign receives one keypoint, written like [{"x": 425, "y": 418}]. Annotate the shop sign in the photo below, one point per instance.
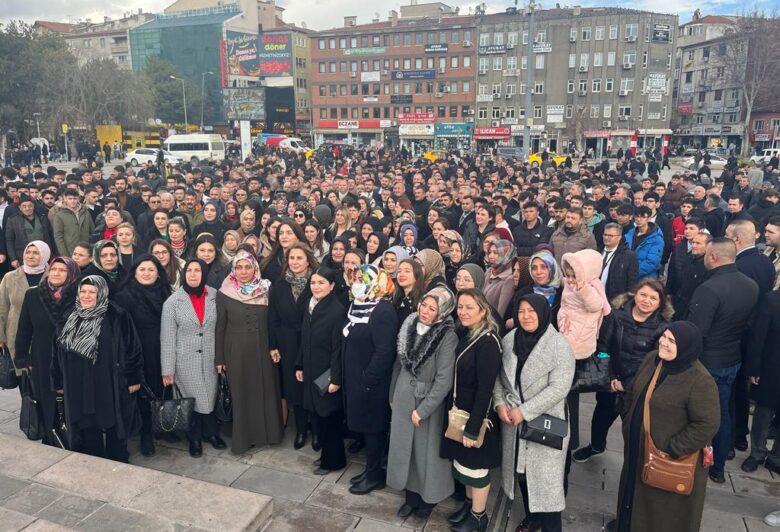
[
  {"x": 494, "y": 133},
  {"x": 414, "y": 74},
  {"x": 654, "y": 116},
  {"x": 685, "y": 108},
  {"x": 416, "y": 130},
  {"x": 401, "y": 98},
  {"x": 369, "y": 76},
  {"x": 365, "y": 51},
  {"x": 436, "y": 48},
  {"x": 662, "y": 33},
  {"x": 542, "y": 47},
  {"x": 454, "y": 129},
  {"x": 415, "y": 118},
  {"x": 492, "y": 49}
]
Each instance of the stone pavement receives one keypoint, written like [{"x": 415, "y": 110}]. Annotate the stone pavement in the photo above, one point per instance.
[{"x": 303, "y": 501}]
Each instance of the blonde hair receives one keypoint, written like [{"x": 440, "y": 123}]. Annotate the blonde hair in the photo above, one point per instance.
[
  {"x": 488, "y": 323},
  {"x": 128, "y": 225}
]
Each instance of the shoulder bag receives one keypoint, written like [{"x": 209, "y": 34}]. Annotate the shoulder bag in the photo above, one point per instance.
[
  {"x": 592, "y": 374},
  {"x": 545, "y": 429},
  {"x": 8, "y": 379},
  {"x": 223, "y": 408},
  {"x": 457, "y": 418},
  {"x": 659, "y": 469},
  {"x": 169, "y": 415},
  {"x": 30, "y": 420}
]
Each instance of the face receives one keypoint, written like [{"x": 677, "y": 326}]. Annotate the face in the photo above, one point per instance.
[
  {"x": 146, "y": 273},
  {"x": 572, "y": 221},
  {"x": 734, "y": 205},
  {"x": 667, "y": 346},
  {"x": 540, "y": 273},
  {"x": 351, "y": 262},
  {"x": 699, "y": 244},
  {"x": 527, "y": 317},
  {"x": 272, "y": 230},
  {"x": 428, "y": 310},
  {"x": 320, "y": 286},
  {"x": 482, "y": 217},
  {"x": 32, "y": 257},
  {"x": 27, "y": 208},
  {"x": 206, "y": 252},
  {"x": 286, "y": 236},
  {"x": 210, "y": 212},
  {"x": 125, "y": 236},
  {"x": 640, "y": 220},
  {"x": 456, "y": 253},
  {"x": 193, "y": 275},
  {"x": 108, "y": 258},
  {"x": 87, "y": 296},
  {"x": 162, "y": 254},
  {"x": 647, "y": 300},
  {"x": 244, "y": 271},
  {"x": 772, "y": 235},
  {"x": 389, "y": 262},
  {"x": 248, "y": 220},
  {"x": 366, "y": 230},
  {"x": 463, "y": 281},
  {"x": 337, "y": 252},
  {"x": 470, "y": 313},
  {"x": 71, "y": 202},
  {"x": 571, "y": 276},
  {"x": 297, "y": 261},
  {"x": 113, "y": 218},
  {"x": 690, "y": 231},
  {"x": 405, "y": 275},
  {"x": 80, "y": 256},
  {"x": 492, "y": 256},
  {"x": 685, "y": 209},
  {"x": 408, "y": 237}
]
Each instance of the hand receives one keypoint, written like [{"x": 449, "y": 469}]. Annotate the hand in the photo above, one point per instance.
[
  {"x": 468, "y": 442},
  {"x": 275, "y": 356},
  {"x": 167, "y": 380},
  {"x": 2, "y": 259},
  {"x": 516, "y": 416},
  {"x": 616, "y": 386},
  {"x": 333, "y": 388},
  {"x": 14, "y": 263},
  {"x": 60, "y": 392},
  {"x": 503, "y": 414},
  {"x": 416, "y": 419},
  {"x": 299, "y": 375},
  {"x": 134, "y": 388},
  {"x": 220, "y": 368},
  {"x": 754, "y": 380}
]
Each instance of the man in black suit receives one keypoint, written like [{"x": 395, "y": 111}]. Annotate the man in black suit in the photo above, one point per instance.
[{"x": 620, "y": 266}]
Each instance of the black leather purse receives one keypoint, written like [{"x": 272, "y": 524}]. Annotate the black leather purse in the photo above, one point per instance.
[
  {"x": 30, "y": 420},
  {"x": 223, "y": 408},
  {"x": 8, "y": 378},
  {"x": 546, "y": 429},
  {"x": 592, "y": 374},
  {"x": 169, "y": 415}
]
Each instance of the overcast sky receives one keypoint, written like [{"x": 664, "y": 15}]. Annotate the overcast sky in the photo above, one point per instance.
[{"x": 322, "y": 14}]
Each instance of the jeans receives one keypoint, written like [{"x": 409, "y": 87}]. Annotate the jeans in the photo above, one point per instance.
[
  {"x": 762, "y": 420},
  {"x": 740, "y": 401},
  {"x": 721, "y": 443}
]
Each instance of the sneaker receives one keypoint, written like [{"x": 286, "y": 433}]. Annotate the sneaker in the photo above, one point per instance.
[
  {"x": 584, "y": 454},
  {"x": 750, "y": 465},
  {"x": 773, "y": 519}
]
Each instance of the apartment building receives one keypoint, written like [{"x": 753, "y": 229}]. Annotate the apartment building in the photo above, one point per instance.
[{"x": 599, "y": 76}]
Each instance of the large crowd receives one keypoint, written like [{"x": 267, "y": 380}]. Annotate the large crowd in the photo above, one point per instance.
[{"x": 441, "y": 317}]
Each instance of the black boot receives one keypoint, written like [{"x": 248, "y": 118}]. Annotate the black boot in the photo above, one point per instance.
[
  {"x": 472, "y": 523},
  {"x": 196, "y": 448},
  {"x": 147, "y": 445},
  {"x": 461, "y": 513},
  {"x": 300, "y": 440},
  {"x": 315, "y": 443}
]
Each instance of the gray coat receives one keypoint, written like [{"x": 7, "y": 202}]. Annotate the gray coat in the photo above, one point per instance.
[
  {"x": 187, "y": 348},
  {"x": 413, "y": 462},
  {"x": 546, "y": 380}
]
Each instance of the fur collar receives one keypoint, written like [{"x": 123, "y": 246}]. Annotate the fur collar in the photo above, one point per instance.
[{"x": 414, "y": 352}]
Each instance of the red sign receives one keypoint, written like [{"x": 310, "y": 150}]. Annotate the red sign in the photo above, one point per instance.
[
  {"x": 416, "y": 118},
  {"x": 349, "y": 124},
  {"x": 597, "y": 134},
  {"x": 685, "y": 108},
  {"x": 492, "y": 133}
]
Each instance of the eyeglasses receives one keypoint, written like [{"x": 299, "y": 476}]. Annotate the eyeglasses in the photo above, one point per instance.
[
  {"x": 605, "y": 235},
  {"x": 300, "y": 215}
]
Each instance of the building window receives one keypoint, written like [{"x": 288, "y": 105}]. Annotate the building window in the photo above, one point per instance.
[
  {"x": 321, "y": 44},
  {"x": 609, "y": 85},
  {"x": 484, "y": 39},
  {"x": 573, "y": 34},
  {"x": 453, "y": 111},
  {"x": 483, "y": 65},
  {"x": 598, "y": 59},
  {"x": 454, "y": 61},
  {"x": 521, "y": 113},
  {"x": 524, "y": 63},
  {"x": 613, "y": 31},
  {"x": 537, "y": 111},
  {"x": 594, "y": 111},
  {"x": 466, "y": 61},
  {"x": 525, "y": 37},
  {"x": 644, "y": 59},
  {"x": 541, "y": 36},
  {"x": 607, "y": 113},
  {"x": 323, "y": 113},
  {"x": 509, "y": 112},
  {"x": 627, "y": 84},
  {"x": 610, "y": 58},
  {"x": 585, "y": 34},
  {"x": 632, "y": 31},
  {"x": 332, "y": 43},
  {"x": 511, "y": 38},
  {"x": 583, "y": 86},
  {"x": 539, "y": 87},
  {"x": 511, "y": 62},
  {"x": 418, "y": 63},
  {"x": 629, "y": 58},
  {"x": 496, "y": 88},
  {"x": 466, "y": 87},
  {"x": 322, "y": 68},
  {"x": 495, "y": 113},
  {"x": 572, "y": 60},
  {"x": 498, "y": 62},
  {"x": 482, "y": 113},
  {"x": 482, "y": 89},
  {"x": 570, "y": 86},
  {"x": 599, "y": 36},
  {"x": 569, "y": 109},
  {"x": 584, "y": 60},
  {"x": 539, "y": 61},
  {"x": 418, "y": 39},
  {"x": 498, "y": 38},
  {"x": 596, "y": 85},
  {"x": 624, "y": 110},
  {"x": 510, "y": 88}
]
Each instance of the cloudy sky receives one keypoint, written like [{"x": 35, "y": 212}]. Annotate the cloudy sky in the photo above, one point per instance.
[{"x": 322, "y": 14}]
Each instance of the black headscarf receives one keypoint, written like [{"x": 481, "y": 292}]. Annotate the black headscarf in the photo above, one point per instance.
[
  {"x": 383, "y": 245},
  {"x": 689, "y": 346},
  {"x": 155, "y": 294},
  {"x": 198, "y": 290},
  {"x": 526, "y": 341}
]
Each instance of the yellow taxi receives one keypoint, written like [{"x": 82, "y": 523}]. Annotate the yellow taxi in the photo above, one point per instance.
[
  {"x": 536, "y": 158},
  {"x": 434, "y": 155}
]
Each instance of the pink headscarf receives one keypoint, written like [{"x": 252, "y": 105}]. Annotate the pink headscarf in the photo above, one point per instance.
[{"x": 43, "y": 249}]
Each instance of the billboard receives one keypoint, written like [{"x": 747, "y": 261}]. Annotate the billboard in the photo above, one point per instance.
[
  {"x": 413, "y": 74},
  {"x": 244, "y": 103},
  {"x": 275, "y": 54},
  {"x": 662, "y": 33},
  {"x": 241, "y": 59}
]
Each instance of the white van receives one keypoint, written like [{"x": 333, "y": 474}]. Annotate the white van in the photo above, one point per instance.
[
  {"x": 764, "y": 156},
  {"x": 293, "y": 143},
  {"x": 195, "y": 147}
]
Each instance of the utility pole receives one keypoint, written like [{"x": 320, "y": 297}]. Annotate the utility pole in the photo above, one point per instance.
[
  {"x": 37, "y": 124},
  {"x": 184, "y": 98},
  {"x": 529, "y": 81},
  {"x": 203, "y": 96}
]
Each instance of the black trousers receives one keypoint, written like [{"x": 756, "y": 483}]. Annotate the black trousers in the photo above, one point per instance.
[
  {"x": 740, "y": 401},
  {"x": 414, "y": 500},
  {"x": 603, "y": 416},
  {"x": 375, "y": 450},
  {"x": 331, "y": 433},
  {"x": 550, "y": 521},
  {"x": 105, "y": 444},
  {"x": 303, "y": 418},
  {"x": 202, "y": 426},
  {"x": 573, "y": 400}
]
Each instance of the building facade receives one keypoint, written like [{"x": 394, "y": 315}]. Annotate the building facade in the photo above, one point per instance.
[
  {"x": 599, "y": 76},
  {"x": 765, "y": 130},
  {"x": 391, "y": 82}
]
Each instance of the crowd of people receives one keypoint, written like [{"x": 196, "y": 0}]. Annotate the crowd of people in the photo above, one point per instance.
[{"x": 441, "y": 317}]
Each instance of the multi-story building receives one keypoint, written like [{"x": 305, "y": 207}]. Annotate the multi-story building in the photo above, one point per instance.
[
  {"x": 600, "y": 76},
  {"x": 108, "y": 39},
  {"x": 765, "y": 130},
  {"x": 407, "y": 81}
]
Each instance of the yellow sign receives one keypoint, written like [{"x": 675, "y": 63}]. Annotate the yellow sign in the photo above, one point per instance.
[{"x": 64, "y": 129}]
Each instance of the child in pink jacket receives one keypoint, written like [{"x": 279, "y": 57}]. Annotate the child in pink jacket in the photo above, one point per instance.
[{"x": 584, "y": 302}]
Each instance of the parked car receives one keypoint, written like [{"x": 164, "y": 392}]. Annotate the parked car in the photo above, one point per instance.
[
  {"x": 765, "y": 155},
  {"x": 716, "y": 163},
  {"x": 149, "y": 156},
  {"x": 536, "y": 158}
]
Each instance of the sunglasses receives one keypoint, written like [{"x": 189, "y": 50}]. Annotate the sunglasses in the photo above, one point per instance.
[{"x": 300, "y": 215}]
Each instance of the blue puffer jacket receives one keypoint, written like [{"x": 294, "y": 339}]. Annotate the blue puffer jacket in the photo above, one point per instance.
[{"x": 649, "y": 249}]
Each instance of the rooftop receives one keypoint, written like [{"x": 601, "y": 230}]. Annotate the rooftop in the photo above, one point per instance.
[{"x": 56, "y": 27}]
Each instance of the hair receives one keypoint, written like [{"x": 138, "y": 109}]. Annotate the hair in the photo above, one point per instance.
[
  {"x": 744, "y": 229},
  {"x": 774, "y": 220},
  {"x": 488, "y": 324},
  {"x": 276, "y": 250},
  {"x": 656, "y": 286},
  {"x": 178, "y": 220},
  {"x": 418, "y": 288},
  {"x": 643, "y": 211},
  {"x": 318, "y": 242},
  {"x": 695, "y": 220},
  {"x": 652, "y": 195},
  {"x": 310, "y": 258},
  {"x": 725, "y": 247},
  {"x": 127, "y": 225},
  {"x": 614, "y": 225},
  {"x": 172, "y": 269}
]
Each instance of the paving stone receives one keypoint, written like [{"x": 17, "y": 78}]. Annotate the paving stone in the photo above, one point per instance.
[
  {"x": 8, "y": 416},
  {"x": 207, "y": 468},
  {"x": 291, "y": 516},
  {"x": 113, "y": 518},
  {"x": 754, "y": 524},
  {"x": 25, "y": 458},
  {"x": 592, "y": 478},
  {"x": 715, "y": 521},
  {"x": 69, "y": 510},
  {"x": 9, "y": 486},
  {"x": 748, "y": 486},
  {"x": 591, "y": 500},
  {"x": 11, "y": 428},
  {"x": 10, "y": 520},
  {"x": 32, "y": 499},
  {"x": 41, "y": 525},
  {"x": 370, "y": 525},
  {"x": 10, "y": 400},
  {"x": 353, "y": 468},
  {"x": 203, "y": 505},
  {"x": 276, "y": 483},
  {"x": 291, "y": 461},
  {"x": 380, "y": 505},
  {"x": 99, "y": 479},
  {"x": 744, "y": 505}
]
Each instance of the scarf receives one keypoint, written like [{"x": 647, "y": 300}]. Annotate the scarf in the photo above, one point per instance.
[
  {"x": 81, "y": 331},
  {"x": 526, "y": 341},
  {"x": 194, "y": 290},
  {"x": 113, "y": 275},
  {"x": 372, "y": 286},
  {"x": 444, "y": 299},
  {"x": 73, "y": 274},
  {"x": 297, "y": 284},
  {"x": 549, "y": 289},
  {"x": 689, "y": 346},
  {"x": 506, "y": 252},
  {"x": 254, "y": 292},
  {"x": 415, "y": 348},
  {"x": 476, "y": 273},
  {"x": 432, "y": 263},
  {"x": 225, "y": 251},
  {"x": 45, "y": 253}
]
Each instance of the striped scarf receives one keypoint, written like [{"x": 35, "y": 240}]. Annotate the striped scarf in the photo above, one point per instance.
[
  {"x": 82, "y": 329},
  {"x": 359, "y": 312}
]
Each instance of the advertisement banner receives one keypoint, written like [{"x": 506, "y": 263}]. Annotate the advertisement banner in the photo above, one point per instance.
[
  {"x": 415, "y": 118},
  {"x": 491, "y": 133},
  {"x": 685, "y": 108},
  {"x": 401, "y": 98},
  {"x": 241, "y": 55},
  {"x": 275, "y": 54},
  {"x": 413, "y": 74},
  {"x": 364, "y": 51},
  {"x": 244, "y": 103},
  {"x": 415, "y": 130},
  {"x": 656, "y": 82},
  {"x": 492, "y": 49},
  {"x": 353, "y": 124},
  {"x": 437, "y": 48},
  {"x": 662, "y": 33},
  {"x": 370, "y": 76},
  {"x": 246, "y": 139},
  {"x": 454, "y": 129}
]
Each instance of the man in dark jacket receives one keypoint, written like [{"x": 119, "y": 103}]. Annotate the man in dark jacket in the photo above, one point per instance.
[
  {"x": 531, "y": 232},
  {"x": 620, "y": 267},
  {"x": 736, "y": 211},
  {"x": 714, "y": 215},
  {"x": 721, "y": 308},
  {"x": 24, "y": 227},
  {"x": 686, "y": 266}
]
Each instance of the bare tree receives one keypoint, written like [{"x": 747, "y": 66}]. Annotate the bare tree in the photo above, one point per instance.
[{"x": 750, "y": 55}]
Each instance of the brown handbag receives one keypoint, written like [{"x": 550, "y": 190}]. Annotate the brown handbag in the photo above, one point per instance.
[{"x": 660, "y": 470}]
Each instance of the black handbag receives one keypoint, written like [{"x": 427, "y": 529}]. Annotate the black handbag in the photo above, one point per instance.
[
  {"x": 546, "y": 429},
  {"x": 60, "y": 431},
  {"x": 323, "y": 382},
  {"x": 592, "y": 374},
  {"x": 169, "y": 415},
  {"x": 8, "y": 378},
  {"x": 223, "y": 409},
  {"x": 30, "y": 419}
]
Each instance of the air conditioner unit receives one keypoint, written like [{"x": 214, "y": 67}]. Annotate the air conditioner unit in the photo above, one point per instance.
[
  {"x": 623, "y": 118},
  {"x": 438, "y": 94},
  {"x": 385, "y": 72},
  {"x": 510, "y": 46},
  {"x": 572, "y": 39},
  {"x": 699, "y": 104},
  {"x": 606, "y": 123},
  {"x": 466, "y": 44},
  {"x": 706, "y": 58},
  {"x": 447, "y": 89},
  {"x": 627, "y": 66},
  {"x": 470, "y": 120},
  {"x": 631, "y": 38},
  {"x": 483, "y": 72},
  {"x": 507, "y": 96},
  {"x": 582, "y": 93},
  {"x": 495, "y": 123},
  {"x": 496, "y": 95},
  {"x": 442, "y": 70},
  {"x": 623, "y": 93},
  {"x": 583, "y": 69},
  {"x": 471, "y": 112},
  {"x": 353, "y": 74}
]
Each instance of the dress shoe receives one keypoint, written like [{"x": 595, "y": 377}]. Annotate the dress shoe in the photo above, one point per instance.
[
  {"x": 300, "y": 440},
  {"x": 356, "y": 446},
  {"x": 196, "y": 449},
  {"x": 147, "y": 445},
  {"x": 318, "y": 461},
  {"x": 315, "y": 443},
  {"x": 741, "y": 444},
  {"x": 217, "y": 442},
  {"x": 366, "y": 486},
  {"x": 774, "y": 468},
  {"x": 423, "y": 513},
  {"x": 528, "y": 525},
  {"x": 731, "y": 455},
  {"x": 461, "y": 513},
  {"x": 472, "y": 523},
  {"x": 358, "y": 478},
  {"x": 750, "y": 465},
  {"x": 320, "y": 471},
  {"x": 405, "y": 511},
  {"x": 718, "y": 478}
]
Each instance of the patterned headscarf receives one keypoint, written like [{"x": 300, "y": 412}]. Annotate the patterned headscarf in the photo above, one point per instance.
[
  {"x": 81, "y": 331},
  {"x": 444, "y": 298},
  {"x": 506, "y": 252},
  {"x": 553, "y": 281},
  {"x": 451, "y": 236},
  {"x": 255, "y": 292},
  {"x": 112, "y": 274},
  {"x": 73, "y": 274},
  {"x": 432, "y": 263},
  {"x": 372, "y": 284}
]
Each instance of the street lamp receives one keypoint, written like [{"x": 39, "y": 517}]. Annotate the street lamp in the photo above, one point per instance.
[
  {"x": 203, "y": 96},
  {"x": 184, "y": 99},
  {"x": 37, "y": 124}
]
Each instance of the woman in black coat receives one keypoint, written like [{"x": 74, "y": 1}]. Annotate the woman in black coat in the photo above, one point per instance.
[
  {"x": 105, "y": 263},
  {"x": 368, "y": 356},
  {"x": 287, "y": 304},
  {"x": 320, "y": 352},
  {"x": 142, "y": 296},
  {"x": 211, "y": 224},
  {"x": 44, "y": 310}
]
